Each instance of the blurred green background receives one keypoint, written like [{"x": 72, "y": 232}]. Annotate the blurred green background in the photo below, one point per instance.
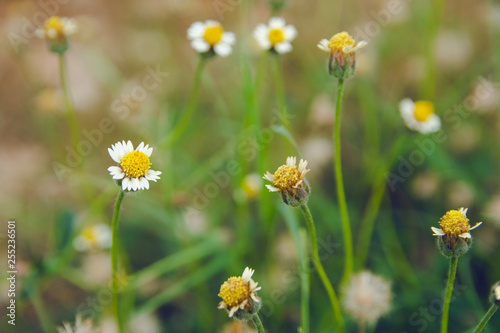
[{"x": 203, "y": 219}]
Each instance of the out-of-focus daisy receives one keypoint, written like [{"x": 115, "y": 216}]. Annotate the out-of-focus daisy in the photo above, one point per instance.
[
  {"x": 56, "y": 31},
  {"x": 454, "y": 232},
  {"x": 239, "y": 296},
  {"x": 93, "y": 237},
  {"x": 495, "y": 294},
  {"x": 342, "y": 49},
  {"x": 419, "y": 116},
  {"x": 210, "y": 38},
  {"x": 367, "y": 297},
  {"x": 133, "y": 170},
  {"x": 276, "y": 36},
  {"x": 81, "y": 326}
]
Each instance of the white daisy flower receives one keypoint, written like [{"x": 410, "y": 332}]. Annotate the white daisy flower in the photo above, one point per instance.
[
  {"x": 455, "y": 224},
  {"x": 288, "y": 177},
  {"x": 57, "y": 28},
  {"x": 239, "y": 293},
  {"x": 210, "y": 37},
  {"x": 419, "y": 116},
  {"x": 133, "y": 165},
  {"x": 275, "y": 36},
  {"x": 93, "y": 237}
]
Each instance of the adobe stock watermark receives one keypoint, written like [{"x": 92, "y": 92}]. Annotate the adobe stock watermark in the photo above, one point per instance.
[
  {"x": 121, "y": 107},
  {"x": 223, "y": 6},
  {"x": 426, "y": 145},
  {"x": 420, "y": 319},
  {"x": 291, "y": 278},
  {"x": 30, "y": 25}
]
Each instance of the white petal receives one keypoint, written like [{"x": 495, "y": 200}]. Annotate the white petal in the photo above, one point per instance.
[
  {"x": 130, "y": 146},
  {"x": 437, "y": 232},
  {"x": 283, "y": 47},
  {"x": 233, "y": 311},
  {"x": 126, "y": 184},
  {"x": 360, "y": 45},
  {"x": 272, "y": 188},
  {"x": 196, "y": 30},
  {"x": 228, "y": 38},
  {"x": 135, "y": 184},
  {"x": 276, "y": 22},
  {"x": 52, "y": 33},
  {"x": 144, "y": 183},
  {"x": 223, "y": 49},
  {"x": 406, "y": 107},
  {"x": 247, "y": 274},
  {"x": 269, "y": 176},
  {"x": 114, "y": 155},
  {"x": 291, "y": 161},
  {"x": 477, "y": 225},
  {"x": 465, "y": 235},
  {"x": 200, "y": 45},
  {"x": 290, "y": 32},
  {"x": 261, "y": 32},
  {"x": 463, "y": 211},
  {"x": 323, "y": 45},
  {"x": 140, "y": 146}
]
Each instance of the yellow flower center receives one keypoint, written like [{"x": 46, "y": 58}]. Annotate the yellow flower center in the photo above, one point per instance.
[
  {"x": 213, "y": 34},
  {"x": 276, "y": 36},
  {"x": 454, "y": 223},
  {"x": 341, "y": 40},
  {"x": 135, "y": 164},
  {"x": 286, "y": 177},
  {"x": 55, "y": 23},
  {"x": 89, "y": 235},
  {"x": 423, "y": 109},
  {"x": 234, "y": 291}
]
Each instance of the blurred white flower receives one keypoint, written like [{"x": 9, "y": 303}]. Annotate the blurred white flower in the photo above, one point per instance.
[
  {"x": 210, "y": 37},
  {"x": 367, "y": 297},
  {"x": 93, "y": 237},
  {"x": 57, "y": 28},
  {"x": 452, "y": 50},
  {"x": 275, "y": 36},
  {"x": 84, "y": 326},
  {"x": 134, "y": 166},
  {"x": 460, "y": 194},
  {"x": 145, "y": 323},
  {"x": 419, "y": 116}
]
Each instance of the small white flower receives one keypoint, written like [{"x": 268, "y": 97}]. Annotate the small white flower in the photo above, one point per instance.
[
  {"x": 133, "y": 165},
  {"x": 210, "y": 36},
  {"x": 57, "y": 28},
  {"x": 275, "y": 36},
  {"x": 419, "y": 116},
  {"x": 288, "y": 177},
  {"x": 239, "y": 293},
  {"x": 455, "y": 224},
  {"x": 80, "y": 326},
  {"x": 97, "y": 236}
]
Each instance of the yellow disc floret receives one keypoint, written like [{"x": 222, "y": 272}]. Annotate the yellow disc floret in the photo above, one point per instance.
[
  {"x": 286, "y": 177},
  {"x": 454, "y": 223},
  {"x": 341, "y": 40},
  {"x": 89, "y": 235},
  {"x": 235, "y": 291},
  {"x": 423, "y": 109},
  {"x": 276, "y": 36},
  {"x": 213, "y": 34},
  {"x": 135, "y": 164}
]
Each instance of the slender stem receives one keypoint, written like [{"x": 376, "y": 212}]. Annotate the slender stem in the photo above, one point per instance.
[
  {"x": 280, "y": 92},
  {"x": 70, "y": 111},
  {"x": 493, "y": 308},
  {"x": 188, "y": 111},
  {"x": 114, "y": 258},
  {"x": 305, "y": 281},
  {"x": 449, "y": 288},
  {"x": 41, "y": 311},
  {"x": 258, "y": 323},
  {"x": 337, "y": 314},
  {"x": 346, "y": 228}
]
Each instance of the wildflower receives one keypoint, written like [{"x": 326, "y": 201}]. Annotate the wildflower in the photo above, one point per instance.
[
  {"x": 209, "y": 38},
  {"x": 133, "y": 172},
  {"x": 80, "y": 326},
  {"x": 419, "y": 116},
  {"x": 495, "y": 294},
  {"x": 367, "y": 297},
  {"x": 239, "y": 297},
  {"x": 275, "y": 36},
  {"x": 56, "y": 31},
  {"x": 454, "y": 238},
  {"x": 289, "y": 181},
  {"x": 93, "y": 237},
  {"x": 342, "y": 49}
]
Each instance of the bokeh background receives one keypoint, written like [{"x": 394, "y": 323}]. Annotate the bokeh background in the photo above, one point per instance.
[{"x": 205, "y": 221}]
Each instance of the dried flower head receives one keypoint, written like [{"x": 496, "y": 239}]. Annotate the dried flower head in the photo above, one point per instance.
[
  {"x": 289, "y": 181},
  {"x": 93, "y": 237},
  {"x": 133, "y": 170},
  {"x": 56, "y": 31},
  {"x": 276, "y": 36},
  {"x": 454, "y": 238},
  {"x": 209, "y": 38},
  {"x": 80, "y": 326},
  {"x": 342, "y": 49},
  {"x": 419, "y": 116},
  {"x": 367, "y": 297},
  {"x": 239, "y": 296}
]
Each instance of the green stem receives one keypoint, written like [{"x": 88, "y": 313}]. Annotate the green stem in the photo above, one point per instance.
[
  {"x": 305, "y": 281},
  {"x": 346, "y": 228},
  {"x": 114, "y": 258},
  {"x": 337, "y": 314},
  {"x": 486, "y": 318},
  {"x": 449, "y": 288},
  {"x": 70, "y": 111},
  {"x": 258, "y": 323},
  {"x": 188, "y": 111},
  {"x": 280, "y": 92},
  {"x": 41, "y": 311}
]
